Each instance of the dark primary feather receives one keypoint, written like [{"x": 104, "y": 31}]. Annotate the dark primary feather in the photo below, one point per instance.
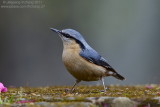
[{"x": 92, "y": 56}]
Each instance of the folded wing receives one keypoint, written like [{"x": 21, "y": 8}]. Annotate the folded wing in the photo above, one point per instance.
[{"x": 92, "y": 56}]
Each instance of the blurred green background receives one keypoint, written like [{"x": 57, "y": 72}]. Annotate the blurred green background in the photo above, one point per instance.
[{"x": 125, "y": 32}]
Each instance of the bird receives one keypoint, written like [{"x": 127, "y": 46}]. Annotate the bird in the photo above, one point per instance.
[{"x": 82, "y": 61}]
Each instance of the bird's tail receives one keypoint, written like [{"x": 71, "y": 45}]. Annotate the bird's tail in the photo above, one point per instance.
[{"x": 118, "y": 76}]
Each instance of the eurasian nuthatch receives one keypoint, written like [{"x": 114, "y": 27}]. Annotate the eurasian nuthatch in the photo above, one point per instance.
[{"x": 82, "y": 61}]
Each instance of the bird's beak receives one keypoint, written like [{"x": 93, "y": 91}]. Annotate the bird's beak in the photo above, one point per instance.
[{"x": 55, "y": 30}]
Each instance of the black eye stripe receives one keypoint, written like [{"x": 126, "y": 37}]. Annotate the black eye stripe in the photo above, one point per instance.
[
  {"x": 66, "y": 35},
  {"x": 77, "y": 41}
]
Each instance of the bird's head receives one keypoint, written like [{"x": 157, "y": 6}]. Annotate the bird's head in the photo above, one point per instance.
[{"x": 70, "y": 35}]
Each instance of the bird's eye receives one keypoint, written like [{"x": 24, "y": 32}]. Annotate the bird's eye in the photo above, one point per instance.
[{"x": 66, "y": 35}]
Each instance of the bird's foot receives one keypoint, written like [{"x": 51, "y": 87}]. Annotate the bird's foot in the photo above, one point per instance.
[
  {"x": 67, "y": 90},
  {"x": 104, "y": 90}
]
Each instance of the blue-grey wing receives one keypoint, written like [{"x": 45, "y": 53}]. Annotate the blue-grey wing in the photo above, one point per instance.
[{"x": 93, "y": 57}]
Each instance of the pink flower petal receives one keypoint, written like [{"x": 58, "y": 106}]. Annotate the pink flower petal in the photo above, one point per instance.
[
  {"x": 2, "y": 88},
  {"x": 1, "y": 85},
  {"x": 149, "y": 87}
]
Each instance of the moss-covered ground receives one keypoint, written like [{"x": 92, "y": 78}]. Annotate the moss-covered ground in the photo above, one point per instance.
[{"x": 145, "y": 94}]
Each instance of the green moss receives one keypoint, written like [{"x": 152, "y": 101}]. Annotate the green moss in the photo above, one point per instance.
[{"x": 62, "y": 94}]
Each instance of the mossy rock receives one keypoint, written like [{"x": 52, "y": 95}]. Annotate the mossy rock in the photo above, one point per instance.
[{"x": 87, "y": 95}]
